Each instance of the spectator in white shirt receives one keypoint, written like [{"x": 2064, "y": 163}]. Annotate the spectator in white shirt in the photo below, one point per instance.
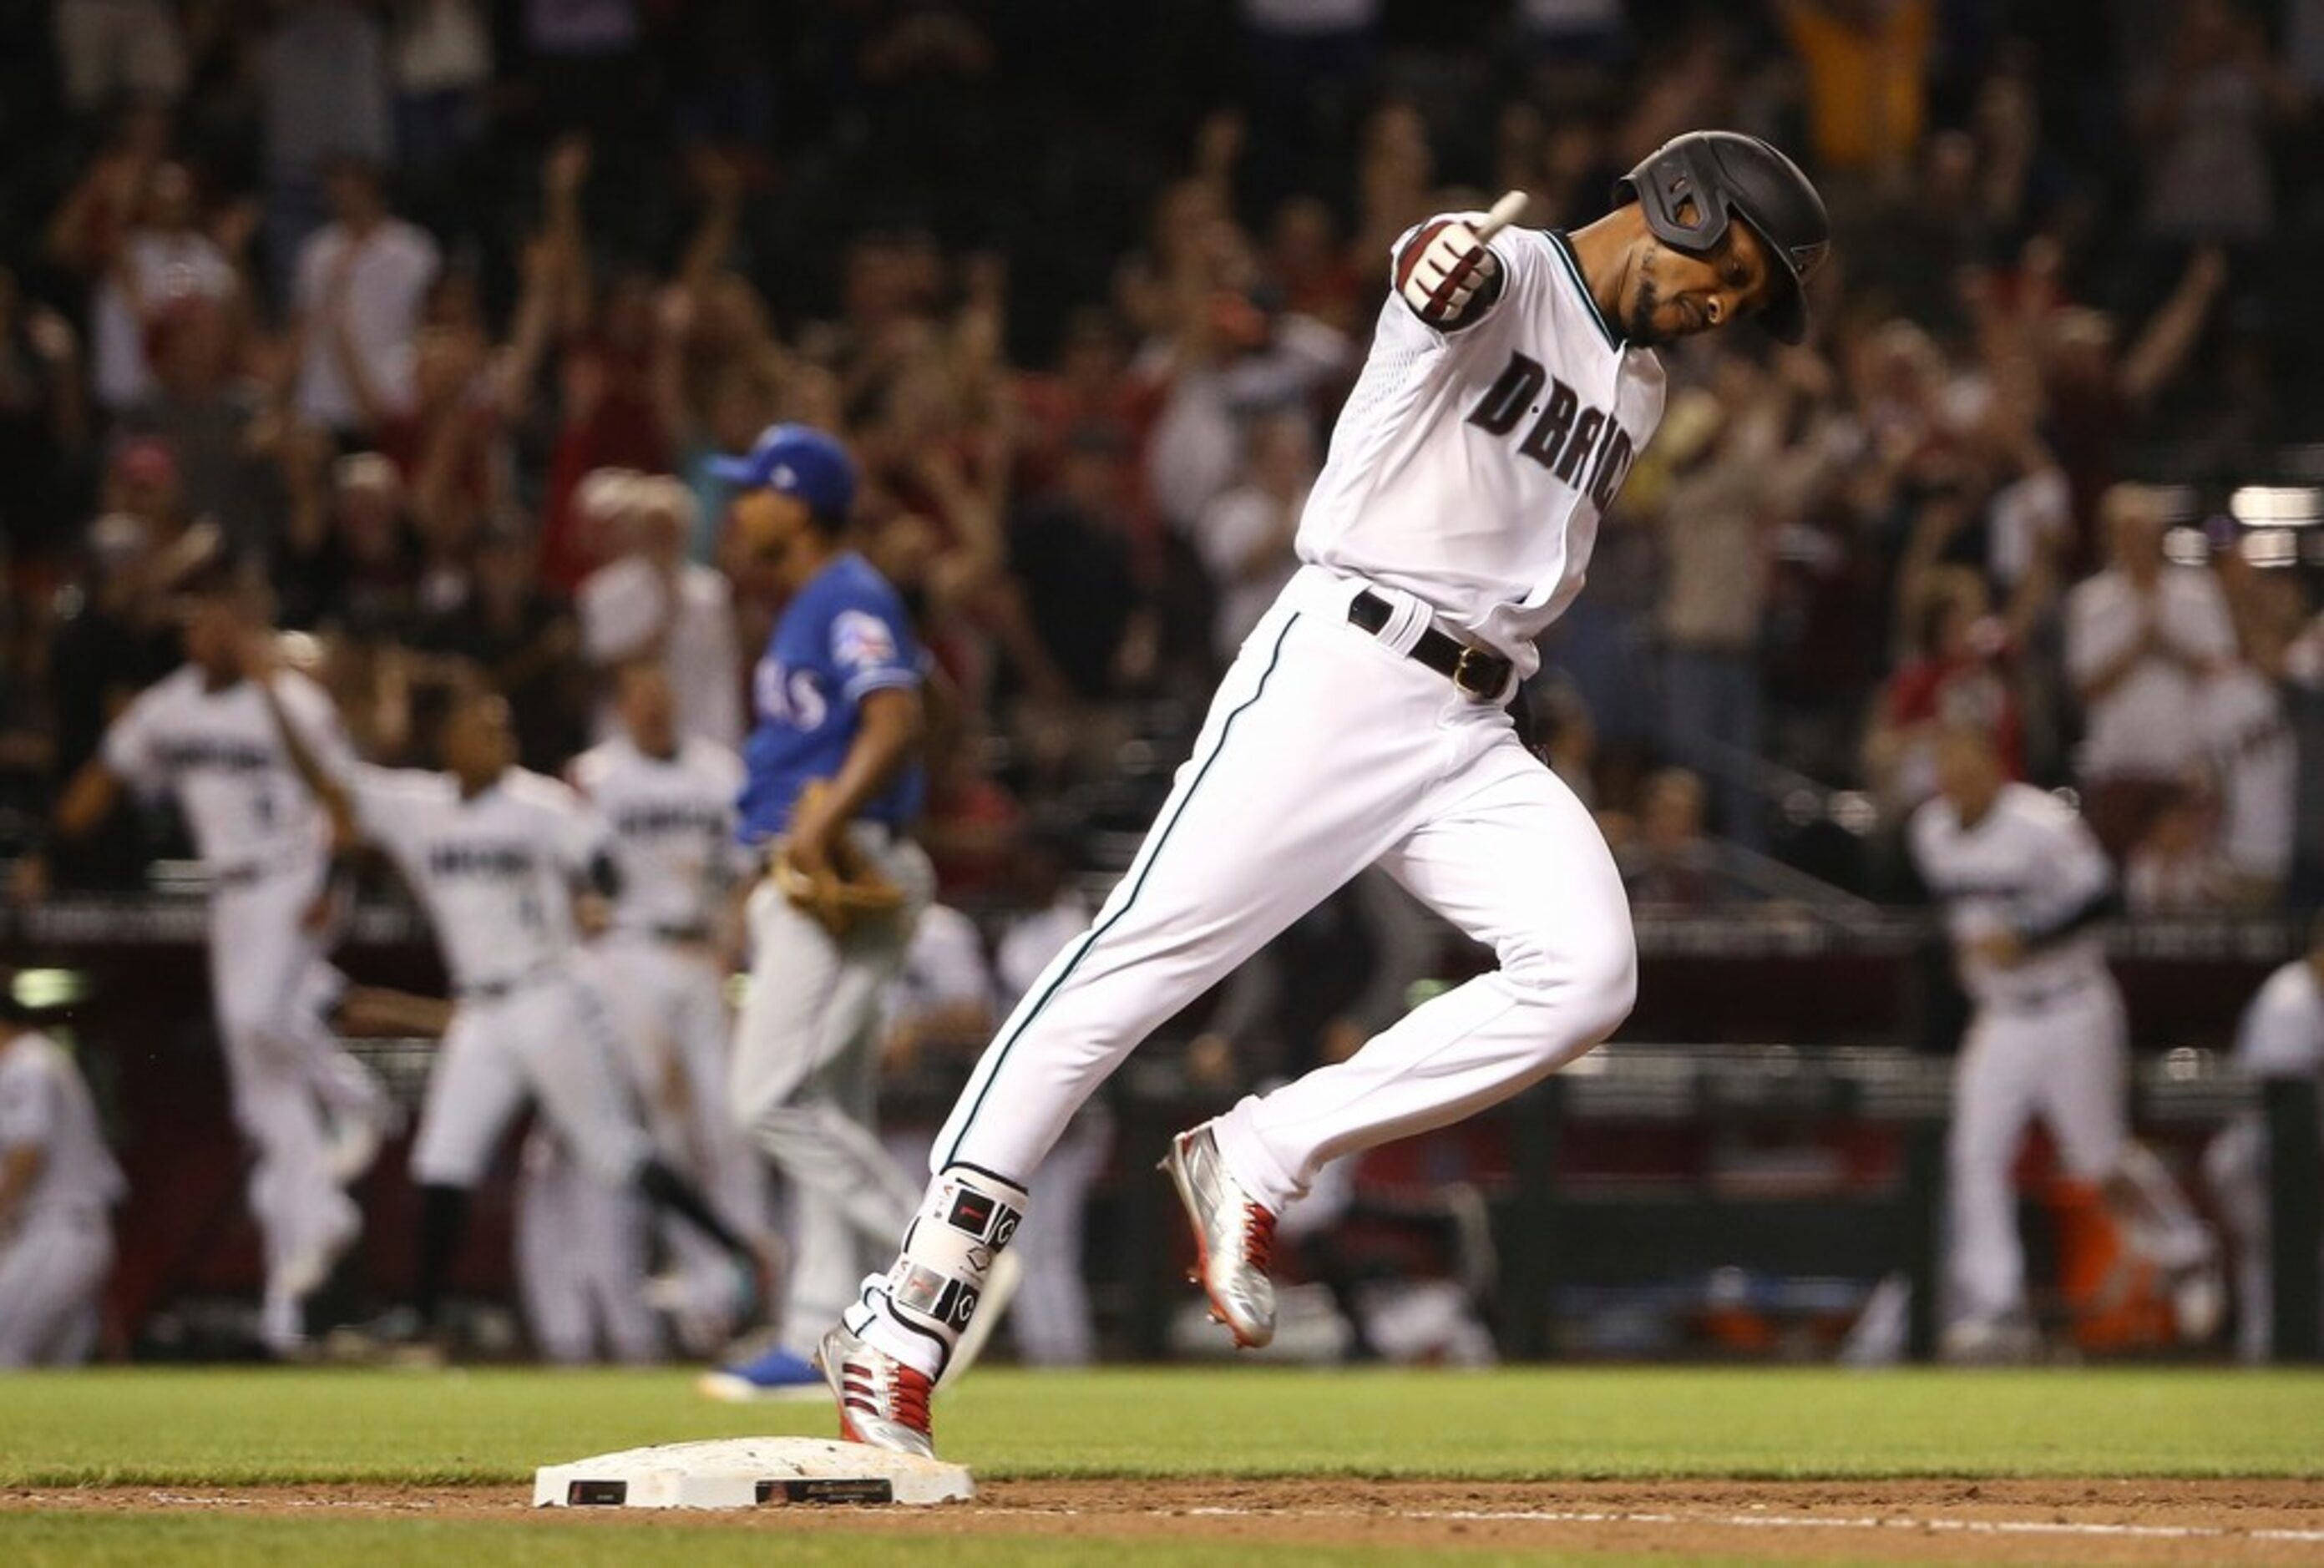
[
  {"x": 362, "y": 279},
  {"x": 2142, "y": 637},
  {"x": 165, "y": 260},
  {"x": 1244, "y": 535},
  {"x": 650, "y": 601}
]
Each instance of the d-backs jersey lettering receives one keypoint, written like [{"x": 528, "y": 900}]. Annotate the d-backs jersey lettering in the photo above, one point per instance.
[
  {"x": 495, "y": 872},
  {"x": 672, "y": 819},
  {"x": 218, "y": 752},
  {"x": 1471, "y": 468}
]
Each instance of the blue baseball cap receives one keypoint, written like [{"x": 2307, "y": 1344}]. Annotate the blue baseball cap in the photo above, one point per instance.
[{"x": 797, "y": 460}]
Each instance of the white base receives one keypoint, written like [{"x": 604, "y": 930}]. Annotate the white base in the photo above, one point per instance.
[{"x": 746, "y": 1472}]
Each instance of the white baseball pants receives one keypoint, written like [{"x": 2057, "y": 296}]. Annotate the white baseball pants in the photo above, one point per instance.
[
  {"x": 2063, "y": 1064},
  {"x": 806, "y": 1082},
  {"x": 1049, "y": 1318},
  {"x": 581, "y": 1261},
  {"x": 285, "y": 1070},
  {"x": 1327, "y": 751},
  {"x": 52, "y": 1269},
  {"x": 548, "y": 1039},
  {"x": 669, "y": 1002}
]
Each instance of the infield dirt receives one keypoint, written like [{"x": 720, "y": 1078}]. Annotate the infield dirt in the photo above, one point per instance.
[{"x": 1985, "y": 1521}]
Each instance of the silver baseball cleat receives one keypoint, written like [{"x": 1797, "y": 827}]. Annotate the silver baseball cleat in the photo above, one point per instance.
[
  {"x": 882, "y": 1402},
  {"x": 1234, "y": 1237}
]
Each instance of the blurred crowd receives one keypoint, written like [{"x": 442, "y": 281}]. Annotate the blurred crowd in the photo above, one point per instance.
[{"x": 441, "y": 308}]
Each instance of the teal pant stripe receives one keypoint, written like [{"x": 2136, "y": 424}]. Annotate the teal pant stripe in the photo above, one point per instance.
[{"x": 1162, "y": 836}]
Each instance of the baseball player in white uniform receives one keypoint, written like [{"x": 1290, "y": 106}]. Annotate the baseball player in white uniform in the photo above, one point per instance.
[
  {"x": 1049, "y": 1320},
  {"x": 497, "y": 857},
  {"x": 2280, "y": 1035},
  {"x": 58, "y": 1186},
  {"x": 580, "y": 1251},
  {"x": 669, "y": 800},
  {"x": 2024, "y": 885},
  {"x": 1510, "y": 383},
  {"x": 313, "y": 1115}
]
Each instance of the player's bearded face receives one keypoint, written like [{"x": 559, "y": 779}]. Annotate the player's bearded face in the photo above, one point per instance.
[
  {"x": 1676, "y": 294},
  {"x": 1668, "y": 301}
]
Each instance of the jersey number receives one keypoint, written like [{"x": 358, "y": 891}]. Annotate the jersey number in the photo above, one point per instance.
[{"x": 789, "y": 698}]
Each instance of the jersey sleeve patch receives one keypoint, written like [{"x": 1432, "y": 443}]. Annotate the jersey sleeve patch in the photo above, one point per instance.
[{"x": 869, "y": 653}]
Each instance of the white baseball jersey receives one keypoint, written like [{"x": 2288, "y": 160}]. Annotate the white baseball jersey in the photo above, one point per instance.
[
  {"x": 673, "y": 825},
  {"x": 2281, "y": 1034},
  {"x": 45, "y": 1105},
  {"x": 495, "y": 870},
  {"x": 1472, "y": 469},
  {"x": 2029, "y": 864},
  {"x": 2257, "y": 765},
  {"x": 943, "y": 966},
  {"x": 219, "y": 753}
]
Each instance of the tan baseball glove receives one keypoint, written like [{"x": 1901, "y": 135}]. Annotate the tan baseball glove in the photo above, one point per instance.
[{"x": 850, "y": 892}]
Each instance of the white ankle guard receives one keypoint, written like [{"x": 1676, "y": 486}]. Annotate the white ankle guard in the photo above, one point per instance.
[{"x": 968, "y": 1216}]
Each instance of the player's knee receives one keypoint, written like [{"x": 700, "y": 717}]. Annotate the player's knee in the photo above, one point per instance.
[{"x": 1590, "y": 984}]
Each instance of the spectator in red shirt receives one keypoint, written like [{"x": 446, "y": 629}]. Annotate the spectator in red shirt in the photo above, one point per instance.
[{"x": 1957, "y": 676}]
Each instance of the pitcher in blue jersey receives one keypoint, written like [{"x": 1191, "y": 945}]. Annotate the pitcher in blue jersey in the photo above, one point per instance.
[{"x": 834, "y": 782}]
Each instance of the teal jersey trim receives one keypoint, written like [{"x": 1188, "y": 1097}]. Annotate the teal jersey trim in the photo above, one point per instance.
[{"x": 1564, "y": 249}]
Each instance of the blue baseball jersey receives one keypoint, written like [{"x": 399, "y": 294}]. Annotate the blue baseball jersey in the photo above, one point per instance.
[{"x": 842, "y": 637}]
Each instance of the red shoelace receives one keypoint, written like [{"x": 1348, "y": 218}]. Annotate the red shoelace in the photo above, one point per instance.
[
  {"x": 1257, "y": 1236},
  {"x": 911, "y": 1391}
]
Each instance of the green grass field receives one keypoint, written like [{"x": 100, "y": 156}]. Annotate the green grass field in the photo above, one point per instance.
[{"x": 193, "y": 1428}]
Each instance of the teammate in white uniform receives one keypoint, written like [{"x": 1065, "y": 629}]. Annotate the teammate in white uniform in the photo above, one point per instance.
[
  {"x": 313, "y": 1115},
  {"x": 2281, "y": 1035},
  {"x": 1050, "y": 1321},
  {"x": 1510, "y": 383},
  {"x": 58, "y": 1186},
  {"x": 670, "y": 802},
  {"x": 497, "y": 856},
  {"x": 2024, "y": 884}
]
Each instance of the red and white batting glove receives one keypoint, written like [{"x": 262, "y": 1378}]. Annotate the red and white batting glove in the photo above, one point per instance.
[{"x": 1443, "y": 268}]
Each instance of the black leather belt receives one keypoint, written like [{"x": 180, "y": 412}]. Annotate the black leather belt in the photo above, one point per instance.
[
  {"x": 248, "y": 873},
  {"x": 1476, "y": 673},
  {"x": 501, "y": 990},
  {"x": 2042, "y": 1001},
  {"x": 693, "y": 933}
]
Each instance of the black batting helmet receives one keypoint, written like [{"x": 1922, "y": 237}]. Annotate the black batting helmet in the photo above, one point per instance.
[{"x": 1726, "y": 175}]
